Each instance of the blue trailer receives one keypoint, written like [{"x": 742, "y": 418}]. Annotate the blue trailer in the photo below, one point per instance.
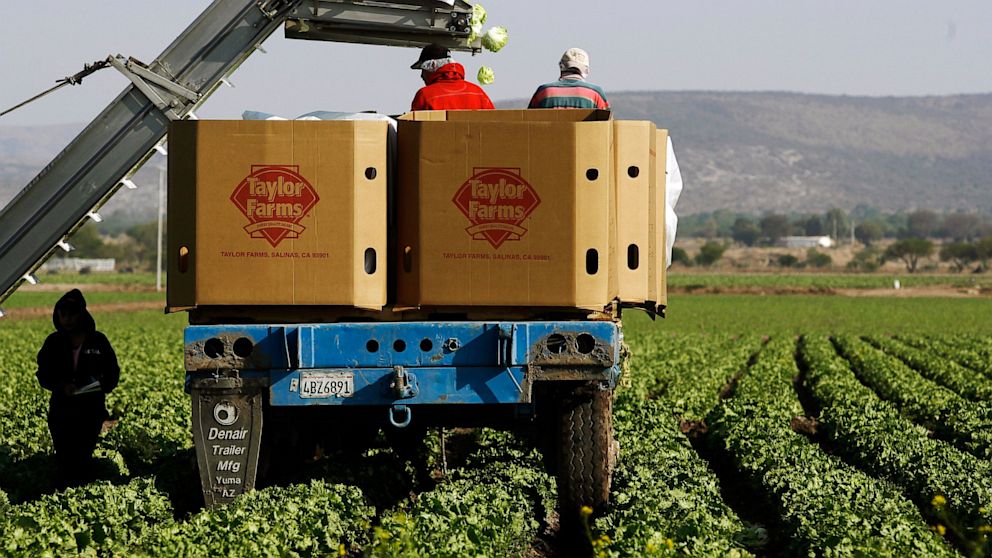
[{"x": 556, "y": 377}]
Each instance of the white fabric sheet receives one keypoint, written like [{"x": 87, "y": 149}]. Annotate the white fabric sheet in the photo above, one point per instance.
[{"x": 673, "y": 189}]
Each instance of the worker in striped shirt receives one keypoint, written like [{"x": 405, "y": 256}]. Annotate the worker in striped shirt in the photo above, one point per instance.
[{"x": 571, "y": 90}]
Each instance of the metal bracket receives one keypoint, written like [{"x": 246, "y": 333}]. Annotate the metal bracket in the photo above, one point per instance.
[
  {"x": 505, "y": 344},
  {"x": 404, "y": 384},
  {"x": 272, "y": 8},
  {"x": 506, "y": 347},
  {"x": 170, "y": 97}
]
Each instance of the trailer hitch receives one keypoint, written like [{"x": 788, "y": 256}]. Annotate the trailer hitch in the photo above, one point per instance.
[{"x": 403, "y": 384}]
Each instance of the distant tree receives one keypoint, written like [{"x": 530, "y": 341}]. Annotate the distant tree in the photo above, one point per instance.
[
  {"x": 88, "y": 243},
  {"x": 864, "y": 212},
  {"x": 960, "y": 226},
  {"x": 960, "y": 254},
  {"x": 710, "y": 228},
  {"x": 922, "y": 223},
  {"x": 680, "y": 256},
  {"x": 835, "y": 222},
  {"x": 724, "y": 220},
  {"x": 774, "y": 226},
  {"x": 709, "y": 253},
  {"x": 869, "y": 259},
  {"x": 144, "y": 244},
  {"x": 787, "y": 260},
  {"x": 815, "y": 258},
  {"x": 983, "y": 251},
  {"x": 910, "y": 251},
  {"x": 814, "y": 226},
  {"x": 868, "y": 232},
  {"x": 745, "y": 231}
]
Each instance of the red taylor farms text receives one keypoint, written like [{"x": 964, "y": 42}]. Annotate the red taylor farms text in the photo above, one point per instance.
[
  {"x": 496, "y": 201},
  {"x": 274, "y": 198}
]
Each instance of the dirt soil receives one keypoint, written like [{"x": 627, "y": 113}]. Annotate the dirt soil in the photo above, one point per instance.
[
  {"x": 89, "y": 287},
  {"x": 43, "y": 312},
  {"x": 935, "y": 291}
]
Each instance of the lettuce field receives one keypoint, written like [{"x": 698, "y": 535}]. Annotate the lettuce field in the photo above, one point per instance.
[{"x": 858, "y": 438}]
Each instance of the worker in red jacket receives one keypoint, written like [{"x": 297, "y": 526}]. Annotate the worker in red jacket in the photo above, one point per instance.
[{"x": 445, "y": 86}]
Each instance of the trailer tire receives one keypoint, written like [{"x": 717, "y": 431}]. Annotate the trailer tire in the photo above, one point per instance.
[{"x": 586, "y": 452}]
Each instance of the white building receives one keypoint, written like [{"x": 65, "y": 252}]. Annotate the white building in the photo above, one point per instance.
[{"x": 805, "y": 242}]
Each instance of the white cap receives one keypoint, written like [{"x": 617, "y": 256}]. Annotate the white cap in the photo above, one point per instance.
[{"x": 575, "y": 58}]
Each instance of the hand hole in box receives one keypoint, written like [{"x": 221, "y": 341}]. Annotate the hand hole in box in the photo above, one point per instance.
[
  {"x": 370, "y": 261},
  {"x": 183, "y": 259},
  {"x": 592, "y": 261},
  {"x": 633, "y": 256}
]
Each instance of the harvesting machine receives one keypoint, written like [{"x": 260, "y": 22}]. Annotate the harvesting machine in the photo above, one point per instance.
[{"x": 280, "y": 379}]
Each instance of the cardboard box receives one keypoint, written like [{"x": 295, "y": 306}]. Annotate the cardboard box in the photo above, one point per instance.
[
  {"x": 634, "y": 151},
  {"x": 658, "y": 264},
  {"x": 505, "y": 208},
  {"x": 277, "y": 213}
]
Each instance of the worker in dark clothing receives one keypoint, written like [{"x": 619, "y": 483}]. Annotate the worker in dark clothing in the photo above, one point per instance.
[
  {"x": 571, "y": 90},
  {"x": 445, "y": 86},
  {"x": 78, "y": 365}
]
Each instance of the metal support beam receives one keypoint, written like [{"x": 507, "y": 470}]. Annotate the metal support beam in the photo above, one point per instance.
[
  {"x": 394, "y": 23},
  {"x": 90, "y": 169}
]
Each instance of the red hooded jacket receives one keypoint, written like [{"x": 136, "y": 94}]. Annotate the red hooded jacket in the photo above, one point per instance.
[{"x": 447, "y": 89}]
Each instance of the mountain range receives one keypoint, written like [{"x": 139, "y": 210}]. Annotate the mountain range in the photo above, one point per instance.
[{"x": 746, "y": 152}]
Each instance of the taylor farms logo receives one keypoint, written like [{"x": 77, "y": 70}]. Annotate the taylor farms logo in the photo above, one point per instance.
[
  {"x": 274, "y": 198},
  {"x": 496, "y": 202}
]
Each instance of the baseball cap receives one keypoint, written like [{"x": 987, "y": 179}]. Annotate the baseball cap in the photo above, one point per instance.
[
  {"x": 432, "y": 51},
  {"x": 575, "y": 58}
]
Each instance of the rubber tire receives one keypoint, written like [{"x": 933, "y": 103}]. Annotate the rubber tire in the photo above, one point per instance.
[{"x": 586, "y": 452}]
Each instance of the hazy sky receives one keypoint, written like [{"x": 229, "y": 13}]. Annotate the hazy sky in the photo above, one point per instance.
[{"x": 853, "y": 47}]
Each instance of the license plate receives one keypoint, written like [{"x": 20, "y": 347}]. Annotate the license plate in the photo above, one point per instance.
[{"x": 315, "y": 385}]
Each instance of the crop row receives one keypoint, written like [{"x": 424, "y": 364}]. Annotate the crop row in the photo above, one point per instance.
[
  {"x": 665, "y": 499},
  {"x": 135, "y": 519},
  {"x": 974, "y": 353},
  {"x": 824, "y": 506},
  {"x": 688, "y": 372},
  {"x": 966, "y": 424},
  {"x": 949, "y": 374},
  {"x": 873, "y": 434},
  {"x": 486, "y": 507}
]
